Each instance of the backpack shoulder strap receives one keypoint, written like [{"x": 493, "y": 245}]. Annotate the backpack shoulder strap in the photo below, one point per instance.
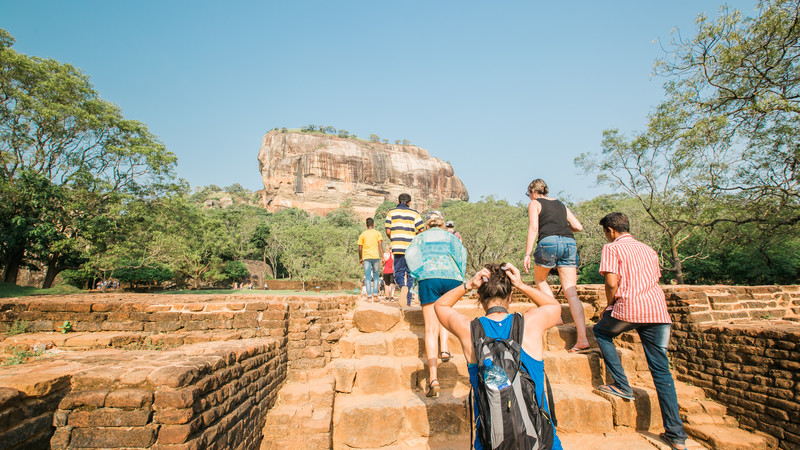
[
  {"x": 517, "y": 329},
  {"x": 551, "y": 406},
  {"x": 478, "y": 335}
]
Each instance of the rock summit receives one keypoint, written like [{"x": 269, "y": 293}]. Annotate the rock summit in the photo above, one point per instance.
[{"x": 317, "y": 172}]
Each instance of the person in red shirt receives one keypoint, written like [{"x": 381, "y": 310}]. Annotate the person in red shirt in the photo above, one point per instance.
[
  {"x": 388, "y": 276},
  {"x": 636, "y": 302}
]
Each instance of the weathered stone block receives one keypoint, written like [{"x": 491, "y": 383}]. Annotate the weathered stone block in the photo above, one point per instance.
[
  {"x": 375, "y": 317},
  {"x": 106, "y": 417},
  {"x": 129, "y": 398}
]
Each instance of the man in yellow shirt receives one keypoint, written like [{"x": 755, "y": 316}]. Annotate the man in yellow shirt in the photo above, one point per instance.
[{"x": 370, "y": 255}]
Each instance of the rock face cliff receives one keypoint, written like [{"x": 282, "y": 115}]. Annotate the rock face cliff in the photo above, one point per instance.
[{"x": 318, "y": 172}]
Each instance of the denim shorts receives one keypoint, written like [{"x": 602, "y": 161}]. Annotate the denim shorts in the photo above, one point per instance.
[{"x": 556, "y": 251}]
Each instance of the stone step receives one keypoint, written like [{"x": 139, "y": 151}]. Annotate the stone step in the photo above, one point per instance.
[
  {"x": 642, "y": 413},
  {"x": 579, "y": 410},
  {"x": 563, "y": 367},
  {"x": 131, "y": 340},
  {"x": 619, "y": 439},
  {"x": 395, "y": 343},
  {"x": 392, "y": 421},
  {"x": 303, "y": 416},
  {"x": 369, "y": 317},
  {"x": 381, "y": 374},
  {"x": 727, "y": 438},
  {"x": 564, "y": 337}
]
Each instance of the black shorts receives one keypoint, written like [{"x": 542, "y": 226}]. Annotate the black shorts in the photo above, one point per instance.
[{"x": 388, "y": 278}]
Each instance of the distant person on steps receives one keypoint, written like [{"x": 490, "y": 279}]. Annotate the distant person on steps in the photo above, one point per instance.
[
  {"x": 402, "y": 224},
  {"x": 451, "y": 228},
  {"x": 370, "y": 255},
  {"x": 550, "y": 228},
  {"x": 388, "y": 275}
]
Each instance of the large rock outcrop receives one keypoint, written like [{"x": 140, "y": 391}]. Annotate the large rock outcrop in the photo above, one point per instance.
[{"x": 318, "y": 172}]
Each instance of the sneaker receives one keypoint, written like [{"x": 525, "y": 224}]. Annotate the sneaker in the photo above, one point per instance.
[{"x": 613, "y": 389}]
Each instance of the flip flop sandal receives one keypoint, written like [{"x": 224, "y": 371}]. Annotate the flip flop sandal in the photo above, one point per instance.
[
  {"x": 580, "y": 350},
  {"x": 671, "y": 444},
  {"x": 445, "y": 358},
  {"x": 433, "y": 391},
  {"x": 614, "y": 390}
]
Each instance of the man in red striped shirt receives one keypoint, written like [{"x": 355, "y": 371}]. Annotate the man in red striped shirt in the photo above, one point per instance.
[{"x": 636, "y": 302}]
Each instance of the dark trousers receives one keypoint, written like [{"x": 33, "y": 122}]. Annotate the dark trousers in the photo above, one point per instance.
[
  {"x": 402, "y": 276},
  {"x": 655, "y": 340}
]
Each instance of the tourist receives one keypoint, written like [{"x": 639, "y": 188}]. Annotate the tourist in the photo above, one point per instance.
[
  {"x": 550, "y": 227},
  {"x": 494, "y": 283},
  {"x": 451, "y": 228},
  {"x": 370, "y": 255},
  {"x": 636, "y": 302},
  {"x": 438, "y": 262},
  {"x": 388, "y": 276},
  {"x": 402, "y": 224}
]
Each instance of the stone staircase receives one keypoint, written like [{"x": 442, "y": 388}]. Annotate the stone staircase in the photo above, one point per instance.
[{"x": 372, "y": 394}]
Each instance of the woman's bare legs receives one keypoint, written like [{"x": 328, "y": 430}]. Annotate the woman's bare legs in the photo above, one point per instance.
[
  {"x": 569, "y": 280},
  {"x": 540, "y": 279},
  {"x": 443, "y": 336},
  {"x": 431, "y": 340}
]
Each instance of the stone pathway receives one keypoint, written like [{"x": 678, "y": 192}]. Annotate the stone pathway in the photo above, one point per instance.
[{"x": 372, "y": 396}]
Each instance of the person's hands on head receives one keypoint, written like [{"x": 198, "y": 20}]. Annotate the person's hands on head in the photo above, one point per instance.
[
  {"x": 479, "y": 278},
  {"x": 513, "y": 274}
]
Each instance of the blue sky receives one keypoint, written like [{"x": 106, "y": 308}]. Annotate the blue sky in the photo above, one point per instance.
[{"x": 505, "y": 91}]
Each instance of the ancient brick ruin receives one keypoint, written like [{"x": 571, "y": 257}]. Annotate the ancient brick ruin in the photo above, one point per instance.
[{"x": 260, "y": 371}]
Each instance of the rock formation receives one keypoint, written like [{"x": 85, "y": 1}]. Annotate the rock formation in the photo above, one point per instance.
[{"x": 318, "y": 172}]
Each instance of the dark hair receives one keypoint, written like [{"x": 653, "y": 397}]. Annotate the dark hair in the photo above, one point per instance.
[
  {"x": 370, "y": 221},
  {"x": 403, "y": 198},
  {"x": 616, "y": 221},
  {"x": 499, "y": 285}
]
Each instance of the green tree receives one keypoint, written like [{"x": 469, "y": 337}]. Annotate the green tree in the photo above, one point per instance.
[
  {"x": 55, "y": 128},
  {"x": 235, "y": 271},
  {"x": 738, "y": 82},
  {"x": 590, "y": 241},
  {"x": 653, "y": 168},
  {"x": 491, "y": 230},
  {"x": 235, "y": 188},
  {"x": 374, "y": 138},
  {"x": 138, "y": 275}
]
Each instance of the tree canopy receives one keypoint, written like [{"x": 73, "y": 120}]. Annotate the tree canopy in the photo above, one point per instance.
[{"x": 66, "y": 156}]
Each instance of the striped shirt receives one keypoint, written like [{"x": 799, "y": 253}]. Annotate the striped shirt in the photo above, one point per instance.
[
  {"x": 639, "y": 298},
  {"x": 402, "y": 224}
]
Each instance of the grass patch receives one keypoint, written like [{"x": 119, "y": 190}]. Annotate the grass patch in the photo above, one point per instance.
[
  {"x": 18, "y": 327},
  {"x": 12, "y": 290},
  {"x": 20, "y": 356}
]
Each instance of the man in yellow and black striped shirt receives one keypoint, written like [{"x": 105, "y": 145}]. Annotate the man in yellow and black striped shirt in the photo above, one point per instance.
[{"x": 402, "y": 224}]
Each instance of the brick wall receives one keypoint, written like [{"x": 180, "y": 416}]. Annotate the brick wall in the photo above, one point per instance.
[
  {"x": 26, "y": 416},
  {"x": 731, "y": 342},
  {"x": 210, "y": 395},
  {"x": 203, "y": 396}
]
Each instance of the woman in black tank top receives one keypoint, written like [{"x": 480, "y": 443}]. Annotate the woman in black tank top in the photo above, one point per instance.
[{"x": 550, "y": 229}]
